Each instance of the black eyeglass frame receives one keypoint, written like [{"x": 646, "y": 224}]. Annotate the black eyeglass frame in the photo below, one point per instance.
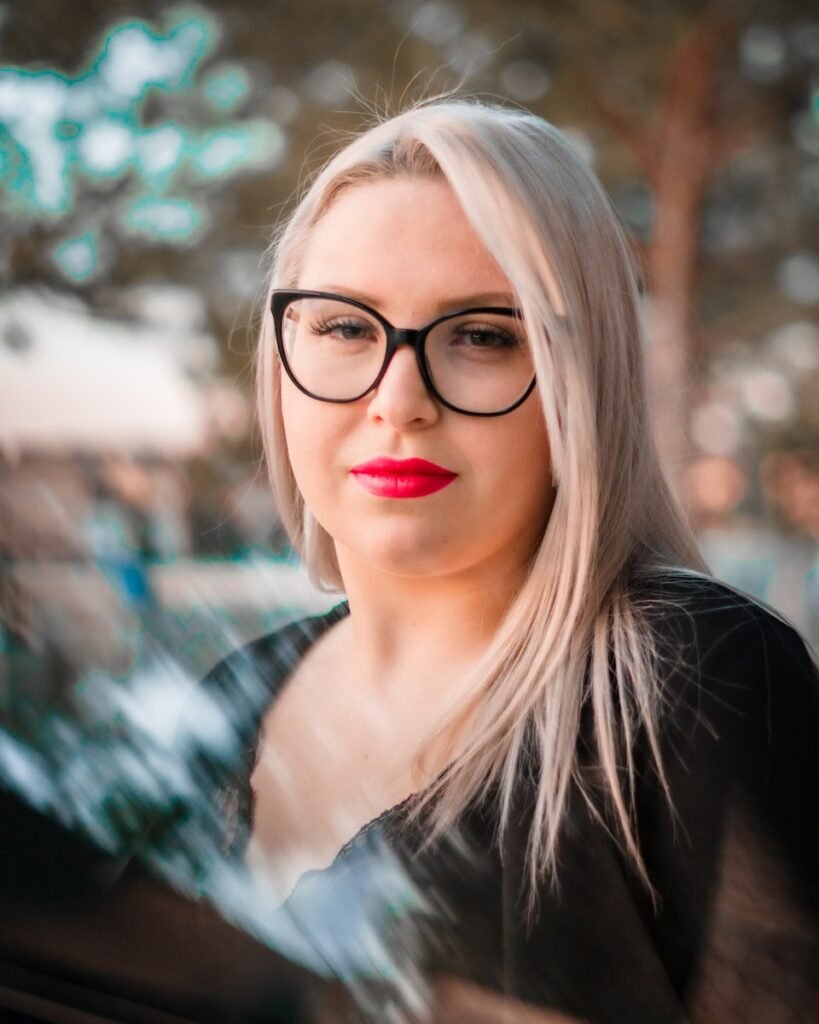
[{"x": 281, "y": 298}]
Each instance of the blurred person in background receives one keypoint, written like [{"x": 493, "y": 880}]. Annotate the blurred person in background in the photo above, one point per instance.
[{"x": 594, "y": 763}]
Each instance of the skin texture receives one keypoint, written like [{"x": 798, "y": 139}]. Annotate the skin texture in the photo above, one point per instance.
[{"x": 453, "y": 558}]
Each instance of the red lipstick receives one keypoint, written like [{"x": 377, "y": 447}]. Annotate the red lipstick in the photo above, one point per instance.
[{"x": 401, "y": 478}]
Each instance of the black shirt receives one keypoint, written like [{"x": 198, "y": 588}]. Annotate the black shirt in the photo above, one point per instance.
[{"x": 733, "y": 934}]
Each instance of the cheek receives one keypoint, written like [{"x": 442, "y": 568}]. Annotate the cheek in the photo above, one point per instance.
[
  {"x": 314, "y": 433},
  {"x": 522, "y": 445},
  {"x": 293, "y": 411},
  {"x": 523, "y": 477},
  {"x": 300, "y": 434}
]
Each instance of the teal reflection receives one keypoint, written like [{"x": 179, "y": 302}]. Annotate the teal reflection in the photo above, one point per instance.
[
  {"x": 228, "y": 150},
  {"x": 226, "y": 87},
  {"x": 159, "y": 152},
  {"x": 174, "y": 220},
  {"x": 16, "y": 174},
  {"x": 78, "y": 258},
  {"x": 105, "y": 147},
  {"x": 32, "y": 104},
  {"x": 61, "y": 136},
  {"x": 134, "y": 58}
]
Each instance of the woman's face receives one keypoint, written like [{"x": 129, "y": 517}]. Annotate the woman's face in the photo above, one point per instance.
[{"x": 405, "y": 248}]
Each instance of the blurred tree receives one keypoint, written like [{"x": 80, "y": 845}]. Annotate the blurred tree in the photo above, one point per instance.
[
  {"x": 679, "y": 150},
  {"x": 703, "y": 93},
  {"x": 700, "y": 117}
]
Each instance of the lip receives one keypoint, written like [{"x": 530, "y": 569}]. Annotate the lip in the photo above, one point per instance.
[{"x": 401, "y": 478}]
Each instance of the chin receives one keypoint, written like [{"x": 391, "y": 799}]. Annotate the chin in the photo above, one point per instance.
[{"x": 404, "y": 550}]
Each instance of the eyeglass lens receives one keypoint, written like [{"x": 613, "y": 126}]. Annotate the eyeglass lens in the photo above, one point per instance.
[{"x": 478, "y": 362}]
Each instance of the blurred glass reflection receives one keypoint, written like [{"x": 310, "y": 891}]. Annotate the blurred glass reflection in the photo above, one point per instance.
[{"x": 138, "y": 542}]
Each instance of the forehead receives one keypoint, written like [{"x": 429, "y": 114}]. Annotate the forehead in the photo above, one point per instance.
[{"x": 399, "y": 241}]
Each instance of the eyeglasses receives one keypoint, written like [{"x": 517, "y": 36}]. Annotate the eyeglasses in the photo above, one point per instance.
[{"x": 336, "y": 349}]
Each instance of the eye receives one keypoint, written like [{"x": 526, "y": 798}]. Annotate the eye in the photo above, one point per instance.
[
  {"x": 487, "y": 336},
  {"x": 344, "y": 328}
]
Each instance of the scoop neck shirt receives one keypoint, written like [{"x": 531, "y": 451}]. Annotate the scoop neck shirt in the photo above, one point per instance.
[{"x": 731, "y": 931}]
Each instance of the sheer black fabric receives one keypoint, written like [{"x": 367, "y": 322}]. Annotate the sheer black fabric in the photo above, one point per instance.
[{"x": 733, "y": 934}]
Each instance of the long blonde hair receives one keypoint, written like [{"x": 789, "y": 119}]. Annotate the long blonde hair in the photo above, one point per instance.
[{"x": 575, "y": 632}]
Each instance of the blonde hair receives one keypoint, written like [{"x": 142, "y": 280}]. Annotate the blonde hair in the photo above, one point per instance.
[{"x": 576, "y": 631}]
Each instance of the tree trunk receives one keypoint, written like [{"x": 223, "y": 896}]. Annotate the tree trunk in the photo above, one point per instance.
[{"x": 682, "y": 156}]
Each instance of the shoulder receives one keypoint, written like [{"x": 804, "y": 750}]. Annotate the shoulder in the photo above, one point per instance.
[
  {"x": 729, "y": 836},
  {"x": 255, "y": 672},
  {"x": 726, "y": 661},
  {"x": 222, "y": 718},
  {"x": 239, "y": 688},
  {"x": 708, "y": 633},
  {"x": 682, "y": 594},
  {"x": 739, "y": 711}
]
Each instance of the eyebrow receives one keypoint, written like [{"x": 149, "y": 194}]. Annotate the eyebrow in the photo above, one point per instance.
[{"x": 506, "y": 299}]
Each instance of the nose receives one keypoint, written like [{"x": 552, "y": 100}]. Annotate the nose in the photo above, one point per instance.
[{"x": 402, "y": 399}]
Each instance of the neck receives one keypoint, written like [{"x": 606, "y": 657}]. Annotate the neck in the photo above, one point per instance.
[
  {"x": 412, "y": 643},
  {"x": 412, "y": 634}
]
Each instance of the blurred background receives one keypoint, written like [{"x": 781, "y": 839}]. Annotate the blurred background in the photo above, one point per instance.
[{"x": 148, "y": 148}]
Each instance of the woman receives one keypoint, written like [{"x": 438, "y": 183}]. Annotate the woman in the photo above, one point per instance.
[{"x": 595, "y": 763}]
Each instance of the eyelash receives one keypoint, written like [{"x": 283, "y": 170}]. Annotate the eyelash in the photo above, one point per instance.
[
  {"x": 326, "y": 326},
  {"x": 507, "y": 340},
  {"x": 465, "y": 331}
]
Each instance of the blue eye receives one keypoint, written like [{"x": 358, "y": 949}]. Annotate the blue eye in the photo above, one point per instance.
[{"x": 347, "y": 330}]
